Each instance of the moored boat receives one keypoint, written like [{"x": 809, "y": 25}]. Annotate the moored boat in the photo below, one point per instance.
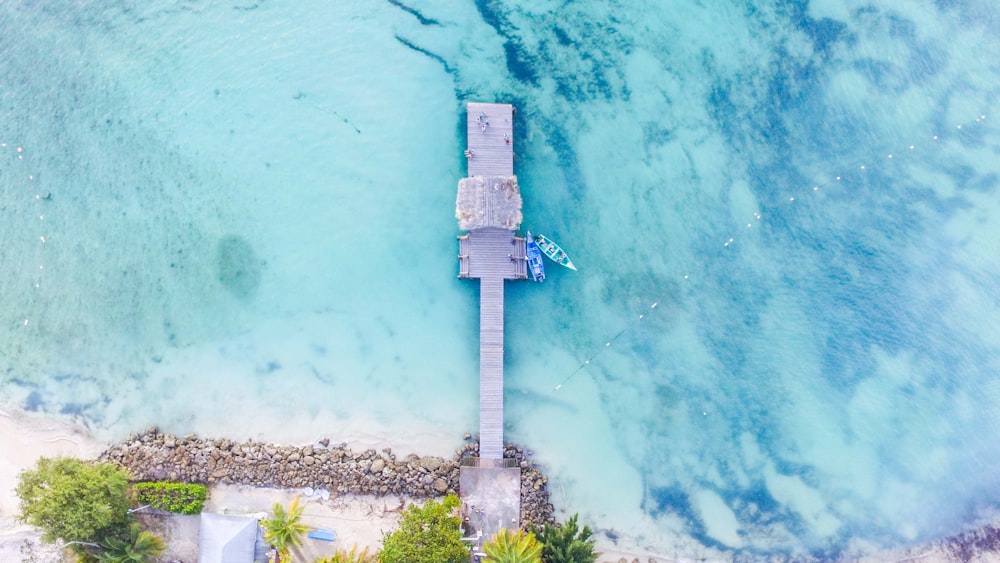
[
  {"x": 553, "y": 251},
  {"x": 534, "y": 257}
]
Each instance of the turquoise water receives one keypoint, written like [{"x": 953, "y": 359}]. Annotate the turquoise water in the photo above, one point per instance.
[{"x": 247, "y": 212}]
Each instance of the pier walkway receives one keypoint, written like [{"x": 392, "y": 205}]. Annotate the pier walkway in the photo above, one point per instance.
[{"x": 488, "y": 208}]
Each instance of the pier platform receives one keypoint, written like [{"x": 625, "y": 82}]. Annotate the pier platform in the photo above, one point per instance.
[
  {"x": 490, "y": 139},
  {"x": 491, "y": 501},
  {"x": 492, "y": 254}
]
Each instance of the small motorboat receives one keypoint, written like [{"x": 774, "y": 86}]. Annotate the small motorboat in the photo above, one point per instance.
[
  {"x": 534, "y": 257},
  {"x": 553, "y": 251}
]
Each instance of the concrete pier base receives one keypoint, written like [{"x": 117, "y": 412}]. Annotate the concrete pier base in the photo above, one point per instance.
[{"x": 491, "y": 501}]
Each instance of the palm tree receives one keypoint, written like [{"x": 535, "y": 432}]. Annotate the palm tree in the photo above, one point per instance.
[
  {"x": 139, "y": 547},
  {"x": 284, "y": 531},
  {"x": 353, "y": 556},
  {"x": 567, "y": 543},
  {"x": 513, "y": 546}
]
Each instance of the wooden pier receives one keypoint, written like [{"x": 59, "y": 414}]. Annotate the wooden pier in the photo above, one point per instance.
[{"x": 488, "y": 207}]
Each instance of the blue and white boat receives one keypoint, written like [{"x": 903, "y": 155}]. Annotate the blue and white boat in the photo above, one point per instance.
[
  {"x": 534, "y": 257},
  {"x": 552, "y": 250}
]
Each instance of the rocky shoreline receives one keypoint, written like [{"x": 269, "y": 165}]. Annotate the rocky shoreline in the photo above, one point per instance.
[{"x": 154, "y": 456}]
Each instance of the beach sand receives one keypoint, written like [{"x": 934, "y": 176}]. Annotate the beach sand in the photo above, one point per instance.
[{"x": 25, "y": 438}]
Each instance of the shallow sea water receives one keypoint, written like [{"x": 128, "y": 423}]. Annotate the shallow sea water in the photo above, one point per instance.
[{"x": 247, "y": 220}]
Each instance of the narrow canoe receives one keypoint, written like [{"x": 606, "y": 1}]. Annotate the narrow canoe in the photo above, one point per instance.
[
  {"x": 553, "y": 251},
  {"x": 534, "y": 256}
]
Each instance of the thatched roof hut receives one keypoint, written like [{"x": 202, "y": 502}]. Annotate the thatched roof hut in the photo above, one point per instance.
[{"x": 488, "y": 201}]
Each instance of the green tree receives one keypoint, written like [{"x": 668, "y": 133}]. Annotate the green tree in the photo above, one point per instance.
[
  {"x": 428, "y": 533},
  {"x": 284, "y": 531},
  {"x": 73, "y": 500},
  {"x": 513, "y": 546},
  {"x": 139, "y": 547},
  {"x": 353, "y": 556},
  {"x": 566, "y": 543}
]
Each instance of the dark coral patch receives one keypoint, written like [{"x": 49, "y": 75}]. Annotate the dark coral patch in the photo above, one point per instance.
[{"x": 239, "y": 268}]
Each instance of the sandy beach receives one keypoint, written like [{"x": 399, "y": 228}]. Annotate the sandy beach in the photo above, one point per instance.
[{"x": 25, "y": 438}]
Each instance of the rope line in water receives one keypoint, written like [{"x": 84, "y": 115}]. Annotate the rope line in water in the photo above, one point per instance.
[
  {"x": 39, "y": 199},
  {"x": 757, "y": 219},
  {"x": 606, "y": 346},
  {"x": 860, "y": 168}
]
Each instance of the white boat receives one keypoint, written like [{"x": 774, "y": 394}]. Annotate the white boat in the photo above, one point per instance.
[{"x": 552, "y": 250}]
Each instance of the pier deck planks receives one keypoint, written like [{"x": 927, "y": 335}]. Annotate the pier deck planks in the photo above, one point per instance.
[{"x": 492, "y": 152}]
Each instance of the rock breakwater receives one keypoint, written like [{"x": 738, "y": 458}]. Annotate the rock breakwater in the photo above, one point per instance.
[{"x": 154, "y": 456}]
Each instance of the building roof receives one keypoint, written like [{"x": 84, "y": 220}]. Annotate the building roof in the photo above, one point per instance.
[
  {"x": 226, "y": 538},
  {"x": 488, "y": 201}
]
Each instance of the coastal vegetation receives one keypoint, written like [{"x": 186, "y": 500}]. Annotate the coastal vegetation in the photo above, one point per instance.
[
  {"x": 139, "y": 547},
  {"x": 567, "y": 543},
  {"x": 75, "y": 501},
  {"x": 284, "y": 530},
  {"x": 85, "y": 506},
  {"x": 513, "y": 546},
  {"x": 181, "y": 498},
  {"x": 427, "y": 533}
]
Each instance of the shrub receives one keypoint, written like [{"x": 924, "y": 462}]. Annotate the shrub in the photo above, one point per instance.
[
  {"x": 182, "y": 498},
  {"x": 73, "y": 500},
  {"x": 428, "y": 533}
]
